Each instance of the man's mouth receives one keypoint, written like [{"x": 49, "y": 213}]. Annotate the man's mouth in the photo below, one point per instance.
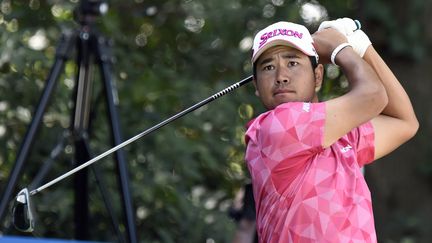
[{"x": 283, "y": 91}]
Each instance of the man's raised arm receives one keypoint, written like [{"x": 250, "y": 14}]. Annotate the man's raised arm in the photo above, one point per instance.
[
  {"x": 397, "y": 123},
  {"x": 366, "y": 98}
]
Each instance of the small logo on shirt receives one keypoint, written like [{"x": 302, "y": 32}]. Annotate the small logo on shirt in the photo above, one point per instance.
[
  {"x": 306, "y": 107},
  {"x": 346, "y": 148}
]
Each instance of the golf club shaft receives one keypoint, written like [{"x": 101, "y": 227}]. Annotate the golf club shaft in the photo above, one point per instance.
[{"x": 142, "y": 134}]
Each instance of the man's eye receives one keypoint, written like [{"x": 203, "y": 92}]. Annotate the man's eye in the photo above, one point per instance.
[
  {"x": 292, "y": 64},
  {"x": 268, "y": 67}
]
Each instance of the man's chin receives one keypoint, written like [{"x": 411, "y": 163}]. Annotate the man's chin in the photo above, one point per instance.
[
  {"x": 278, "y": 102},
  {"x": 272, "y": 106},
  {"x": 285, "y": 100}
]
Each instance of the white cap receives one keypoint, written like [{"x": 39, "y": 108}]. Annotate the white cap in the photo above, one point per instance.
[{"x": 283, "y": 33}]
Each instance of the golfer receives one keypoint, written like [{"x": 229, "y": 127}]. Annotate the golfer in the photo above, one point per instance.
[{"x": 305, "y": 155}]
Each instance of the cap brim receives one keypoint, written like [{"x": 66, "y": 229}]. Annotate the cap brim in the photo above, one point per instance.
[{"x": 278, "y": 42}]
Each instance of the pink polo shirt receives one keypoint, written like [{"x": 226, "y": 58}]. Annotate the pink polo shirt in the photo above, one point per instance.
[{"x": 303, "y": 192}]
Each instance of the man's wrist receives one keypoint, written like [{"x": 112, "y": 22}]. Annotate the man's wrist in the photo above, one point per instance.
[
  {"x": 359, "y": 41},
  {"x": 336, "y": 51},
  {"x": 351, "y": 29}
]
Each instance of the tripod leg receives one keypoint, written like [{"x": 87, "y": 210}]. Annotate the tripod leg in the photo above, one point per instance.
[
  {"x": 47, "y": 164},
  {"x": 81, "y": 192},
  {"x": 104, "y": 60},
  {"x": 79, "y": 127},
  {"x": 62, "y": 53},
  {"x": 82, "y": 153},
  {"x": 80, "y": 124},
  {"x": 107, "y": 200}
]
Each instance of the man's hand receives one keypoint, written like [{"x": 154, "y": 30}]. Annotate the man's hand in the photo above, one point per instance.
[
  {"x": 346, "y": 26},
  {"x": 351, "y": 30},
  {"x": 325, "y": 41}
]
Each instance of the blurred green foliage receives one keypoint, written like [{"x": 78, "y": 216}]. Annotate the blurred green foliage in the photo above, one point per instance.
[{"x": 168, "y": 55}]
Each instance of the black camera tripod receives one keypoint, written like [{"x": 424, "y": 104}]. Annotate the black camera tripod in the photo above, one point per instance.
[{"x": 90, "y": 48}]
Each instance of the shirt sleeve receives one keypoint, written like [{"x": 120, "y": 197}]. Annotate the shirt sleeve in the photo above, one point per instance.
[{"x": 364, "y": 140}]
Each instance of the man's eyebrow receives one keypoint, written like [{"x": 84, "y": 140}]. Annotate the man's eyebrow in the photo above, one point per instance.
[
  {"x": 265, "y": 60},
  {"x": 291, "y": 55}
]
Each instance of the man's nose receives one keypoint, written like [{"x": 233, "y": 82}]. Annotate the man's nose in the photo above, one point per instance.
[
  {"x": 282, "y": 76},
  {"x": 282, "y": 81}
]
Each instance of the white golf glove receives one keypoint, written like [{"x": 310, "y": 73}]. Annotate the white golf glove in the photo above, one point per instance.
[
  {"x": 351, "y": 29},
  {"x": 346, "y": 26},
  {"x": 360, "y": 42}
]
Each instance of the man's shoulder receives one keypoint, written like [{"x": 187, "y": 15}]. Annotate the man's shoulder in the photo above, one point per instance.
[
  {"x": 289, "y": 113},
  {"x": 291, "y": 122}
]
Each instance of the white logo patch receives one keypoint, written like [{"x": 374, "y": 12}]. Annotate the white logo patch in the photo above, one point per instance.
[
  {"x": 346, "y": 148},
  {"x": 306, "y": 107}
]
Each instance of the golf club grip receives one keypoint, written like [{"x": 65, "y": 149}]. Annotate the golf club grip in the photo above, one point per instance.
[
  {"x": 144, "y": 133},
  {"x": 358, "y": 24}
]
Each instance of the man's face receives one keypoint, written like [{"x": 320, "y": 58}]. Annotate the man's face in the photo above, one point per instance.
[{"x": 285, "y": 74}]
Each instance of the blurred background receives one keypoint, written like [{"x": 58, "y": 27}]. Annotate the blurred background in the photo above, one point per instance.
[{"x": 168, "y": 56}]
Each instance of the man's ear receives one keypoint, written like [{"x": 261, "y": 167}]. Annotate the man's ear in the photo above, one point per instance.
[
  {"x": 319, "y": 75},
  {"x": 256, "y": 89}
]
